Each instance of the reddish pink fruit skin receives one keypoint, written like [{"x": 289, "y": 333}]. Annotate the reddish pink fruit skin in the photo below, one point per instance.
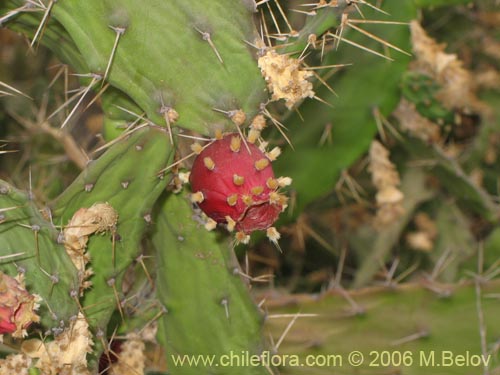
[
  {"x": 6, "y": 325},
  {"x": 16, "y": 306},
  {"x": 217, "y": 185}
]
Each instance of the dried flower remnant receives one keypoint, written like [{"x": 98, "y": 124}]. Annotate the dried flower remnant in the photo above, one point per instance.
[
  {"x": 458, "y": 86},
  {"x": 422, "y": 239},
  {"x": 386, "y": 179},
  {"x": 67, "y": 354},
  {"x": 100, "y": 217},
  {"x": 18, "y": 364},
  {"x": 414, "y": 123},
  {"x": 285, "y": 79},
  {"x": 131, "y": 358}
]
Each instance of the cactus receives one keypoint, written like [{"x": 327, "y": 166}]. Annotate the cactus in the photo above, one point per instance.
[
  {"x": 36, "y": 251},
  {"x": 418, "y": 319},
  {"x": 113, "y": 180},
  {"x": 165, "y": 72},
  {"x": 207, "y": 308}
]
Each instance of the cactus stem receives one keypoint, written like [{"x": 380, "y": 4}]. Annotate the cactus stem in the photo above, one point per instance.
[
  {"x": 119, "y": 32},
  {"x": 45, "y": 18},
  {"x": 208, "y": 38}
]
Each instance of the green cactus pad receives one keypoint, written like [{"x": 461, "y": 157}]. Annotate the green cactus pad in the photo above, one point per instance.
[
  {"x": 127, "y": 177},
  {"x": 48, "y": 269},
  {"x": 209, "y": 311},
  {"x": 190, "y": 56},
  {"x": 384, "y": 323}
]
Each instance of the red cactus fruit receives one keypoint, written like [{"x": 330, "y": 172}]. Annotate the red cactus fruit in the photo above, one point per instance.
[
  {"x": 17, "y": 307},
  {"x": 234, "y": 183}
]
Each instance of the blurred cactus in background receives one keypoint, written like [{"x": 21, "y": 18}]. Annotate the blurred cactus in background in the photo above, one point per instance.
[{"x": 183, "y": 182}]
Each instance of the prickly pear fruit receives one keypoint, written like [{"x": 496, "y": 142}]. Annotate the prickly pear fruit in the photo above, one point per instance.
[
  {"x": 233, "y": 183},
  {"x": 17, "y": 307}
]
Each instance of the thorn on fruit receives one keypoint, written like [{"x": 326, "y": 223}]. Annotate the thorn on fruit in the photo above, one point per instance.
[
  {"x": 247, "y": 199},
  {"x": 210, "y": 224},
  {"x": 284, "y": 181},
  {"x": 258, "y": 122},
  {"x": 238, "y": 117},
  {"x": 238, "y": 180},
  {"x": 273, "y": 234},
  {"x": 274, "y": 153},
  {"x": 218, "y": 134},
  {"x": 209, "y": 163},
  {"x": 230, "y": 223},
  {"x": 257, "y": 190},
  {"x": 196, "y": 148},
  {"x": 253, "y": 135},
  {"x": 277, "y": 198},
  {"x": 197, "y": 197},
  {"x": 272, "y": 183},
  {"x": 261, "y": 164},
  {"x": 235, "y": 144},
  {"x": 242, "y": 237},
  {"x": 232, "y": 199}
]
